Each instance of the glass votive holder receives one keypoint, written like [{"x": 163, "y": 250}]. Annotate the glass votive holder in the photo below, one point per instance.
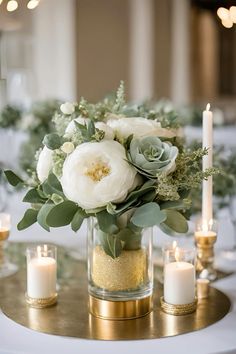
[
  {"x": 41, "y": 275},
  {"x": 179, "y": 281},
  {"x": 205, "y": 239},
  {"x": 159, "y": 262},
  {"x": 6, "y": 268}
]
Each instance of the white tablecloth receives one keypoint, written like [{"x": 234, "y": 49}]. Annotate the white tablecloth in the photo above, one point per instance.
[{"x": 218, "y": 338}]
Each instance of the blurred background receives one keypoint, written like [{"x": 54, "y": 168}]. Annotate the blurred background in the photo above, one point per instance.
[
  {"x": 179, "y": 53},
  {"x": 177, "y": 49}
]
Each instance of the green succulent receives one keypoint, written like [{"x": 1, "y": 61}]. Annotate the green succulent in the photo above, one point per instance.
[{"x": 151, "y": 156}]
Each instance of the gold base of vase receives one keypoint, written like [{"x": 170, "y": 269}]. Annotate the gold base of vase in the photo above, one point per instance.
[
  {"x": 120, "y": 310},
  {"x": 178, "y": 310}
]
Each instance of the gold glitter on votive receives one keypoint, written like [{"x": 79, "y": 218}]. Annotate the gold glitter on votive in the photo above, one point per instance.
[{"x": 126, "y": 272}]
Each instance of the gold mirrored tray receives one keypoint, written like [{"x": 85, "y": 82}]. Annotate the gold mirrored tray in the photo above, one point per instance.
[{"x": 70, "y": 317}]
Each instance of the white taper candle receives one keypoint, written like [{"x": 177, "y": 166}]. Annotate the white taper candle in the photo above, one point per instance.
[{"x": 207, "y": 142}]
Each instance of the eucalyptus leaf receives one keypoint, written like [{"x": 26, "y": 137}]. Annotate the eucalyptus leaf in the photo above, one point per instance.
[
  {"x": 54, "y": 182},
  {"x": 148, "y": 215},
  {"x": 107, "y": 222},
  {"x": 87, "y": 130},
  {"x": 131, "y": 239},
  {"x": 133, "y": 198},
  {"x": 176, "y": 221},
  {"x": 146, "y": 187},
  {"x": 29, "y": 218},
  {"x": 61, "y": 214},
  {"x": 78, "y": 219},
  {"x": 12, "y": 178},
  {"x": 51, "y": 186},
  {"x": 95, "y": 210},
  {"x": 90, "y": 128},
  {"x": 121, "y": 208},
  {"x": 56, "y": 198},
  {"x": 53, "y": 141},
  {"x": 111, "y": 244},
  {"x": 175, "y": 204},
  {"x": 42, "y": 215},
  {"x": 149, "y": 196},
  {"x": 168, "y": 231},
  {"x": 33, "y": 196}
]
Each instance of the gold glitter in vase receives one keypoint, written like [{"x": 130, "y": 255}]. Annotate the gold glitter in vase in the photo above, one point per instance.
[{"x": 126, "y": 272}]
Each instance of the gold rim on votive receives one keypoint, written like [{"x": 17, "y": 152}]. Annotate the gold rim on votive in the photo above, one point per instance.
[
  {"x": 178, "y": 310},
  {"x": 4, "y": 234},
  {"x": 41, "y": 303}
]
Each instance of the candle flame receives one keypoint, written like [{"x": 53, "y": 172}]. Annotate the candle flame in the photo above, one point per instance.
[
  {"x": 45, "y": 250},
  {"x": 39, "y": 251},
  {"x": 211, "y": 222},
  {"x": 177, "y": 254},
  {"x": 174, "y": 245},
  {"x": 208, "y": 106},
  {"x": 205, "y": 226}
]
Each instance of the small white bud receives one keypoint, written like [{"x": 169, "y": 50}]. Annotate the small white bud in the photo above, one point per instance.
[
  {"x": 67, "y": 108},
  {"x": 67, "y": 147}
]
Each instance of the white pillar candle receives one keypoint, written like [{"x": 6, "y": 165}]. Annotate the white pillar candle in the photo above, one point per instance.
[
  {"x": 41, "y": 277},
  {"x": 207, "y": 142},
  {"x": 179, "y": 283}
]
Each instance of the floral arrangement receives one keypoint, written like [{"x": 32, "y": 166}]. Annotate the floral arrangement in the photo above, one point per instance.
[{"x": 124, "y": 164}]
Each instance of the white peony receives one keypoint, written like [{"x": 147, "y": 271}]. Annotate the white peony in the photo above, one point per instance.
[
  {"x": 44, "y": 164},
  {"x": 97, "y": 173},
  {"x": 71, "y": 128},
  {"x": 139, "y": 127},
  {"x": 67, "y": 108}
]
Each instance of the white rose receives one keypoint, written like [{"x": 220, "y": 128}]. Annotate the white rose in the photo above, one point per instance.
[
  {"x": 96, "y": 174},
  {"x": 71, "y": 128},
  {"x": 67, "y": 108},
  {"x": 44, "y": 164},
  {"x": 67, "y": 147},
  {"x": 139, "y": 127}
]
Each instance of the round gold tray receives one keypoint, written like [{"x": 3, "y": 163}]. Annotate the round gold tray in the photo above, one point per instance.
[{"x": 70, "y": 317}]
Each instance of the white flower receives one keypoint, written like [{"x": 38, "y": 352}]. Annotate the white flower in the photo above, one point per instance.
[
  {"x": 44, "y": 164},
  {"x": 139, "y": 127},
  {"x": 71, "y": 128},
  {"x": 67, "y": 147},
  {"x": 97, "y": 173},
  {"x": 67, "y": 108}
]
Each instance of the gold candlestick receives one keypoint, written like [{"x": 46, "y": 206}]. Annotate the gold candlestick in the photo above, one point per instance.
[{"x": 205, "y": 239}]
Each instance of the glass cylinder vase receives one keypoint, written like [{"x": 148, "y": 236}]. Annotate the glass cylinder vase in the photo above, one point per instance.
[{"x": 120, "y": 272}]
